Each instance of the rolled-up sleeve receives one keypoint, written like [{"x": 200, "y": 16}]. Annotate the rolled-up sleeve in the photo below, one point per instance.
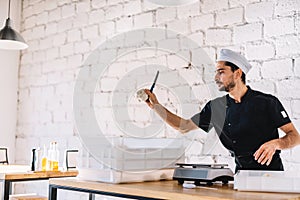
[
  {"x": 203, "y": 119},
  {"x": 277, "y": 113}
]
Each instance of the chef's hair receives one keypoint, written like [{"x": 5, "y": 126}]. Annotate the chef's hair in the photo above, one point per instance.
[{"x": 234, "y": 68}]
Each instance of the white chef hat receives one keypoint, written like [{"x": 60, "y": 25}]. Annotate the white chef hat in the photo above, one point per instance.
[{"x": 235, "y": 58}]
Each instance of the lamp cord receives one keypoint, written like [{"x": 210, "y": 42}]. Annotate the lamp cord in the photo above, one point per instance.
[{"x": 9, "y": 9}]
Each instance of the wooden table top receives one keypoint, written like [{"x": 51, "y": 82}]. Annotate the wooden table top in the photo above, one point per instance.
[
  {"x": 37, "y": 175},
  {"x": 171, "y": 190}
]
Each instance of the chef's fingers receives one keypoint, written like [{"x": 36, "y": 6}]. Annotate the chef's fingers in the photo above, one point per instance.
[
  {"x": 267, "y": 158},
  {"x": 151, "y": 96},
  {"x": 149, "y": 92},
  {"x": 258, "y": 153},
  {"x": 262, "y": 157},
  {"x": 149, "y": 104},
  {"x": 264, "y": 160}
]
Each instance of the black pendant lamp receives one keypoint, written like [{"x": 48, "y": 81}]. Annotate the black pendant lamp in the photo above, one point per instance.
[{"x": 9, "y": 38}]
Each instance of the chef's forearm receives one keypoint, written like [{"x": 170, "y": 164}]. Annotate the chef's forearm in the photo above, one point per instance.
[
  {"x": 173, "y": 120},
  {"x": 291, "y": 139}
]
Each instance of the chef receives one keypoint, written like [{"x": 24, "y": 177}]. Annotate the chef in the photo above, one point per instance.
[{"x": 246, "y": 120}]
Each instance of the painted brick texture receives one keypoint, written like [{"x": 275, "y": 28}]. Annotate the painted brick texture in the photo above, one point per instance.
[{"x": 62, "y": 34}]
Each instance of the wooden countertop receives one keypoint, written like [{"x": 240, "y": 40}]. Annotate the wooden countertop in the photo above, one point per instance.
[
  {"x": 37, "y": 175},
  {"x": 171, "y": 190}
]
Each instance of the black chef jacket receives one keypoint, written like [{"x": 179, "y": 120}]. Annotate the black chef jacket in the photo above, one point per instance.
[{"x": 243, "y": 127}]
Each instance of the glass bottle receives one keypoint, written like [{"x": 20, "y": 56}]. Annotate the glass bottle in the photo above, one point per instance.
[
  {"x": 44, "y": 159},
  {"x": 50, "y": 156},
  {"x": 55, "y": 157}
]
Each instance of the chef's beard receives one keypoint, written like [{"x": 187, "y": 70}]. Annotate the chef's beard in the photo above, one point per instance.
[{"x": 228, "y": 87}]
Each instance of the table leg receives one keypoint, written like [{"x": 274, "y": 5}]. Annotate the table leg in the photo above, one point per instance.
[
  {"x": 7, "y": 190},
  {"x": 52, "y": 193},
  {"x": 91, "y": 196}
]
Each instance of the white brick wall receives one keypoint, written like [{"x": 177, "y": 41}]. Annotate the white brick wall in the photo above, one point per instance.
[
  {"x": 297, "y": 67},
  {"x": 68, "y": 10},
  {"x": 124, "y": 24},
  {"x": 248, "y": 32},
  {"x": 260, "y": 51},
  {"x": 143, "y": 20},
  {"x": 236, "y": 3},
  {"x": 96, "y": 16},
  {"x": 90, "y": 32},
  {"x": 213, "y": 5},
  {"x": 165, "y": 14},
  {"x": 132, "y": 7},
  {"x": 62, "y": 33},
  {"x": 289, "y": 89},
  {"x": 259, "y": 11},
  {"x": 202, "y": 22},
  {"x": 230, "y": 17},
  {"x": 114, "y": 12},
  {"x": 277, "y": 69},
  {"x": 98, "y": 3},
  {"x": 264, "y": 86},
  {"x": 295, "y": 108},
  {"x": 286, "y": 7},
  {"x": 287, "y": 45},
  {"x": 220, "y": 37},
  {"x": 107, "y": 28},
  {"x": 54, "y": 15},
  {"x": 188, "y": 10},
  {"x": 82, "y": 6},
  {"x": 180, "y": 26},
  {"x": 277, "y": 27}
]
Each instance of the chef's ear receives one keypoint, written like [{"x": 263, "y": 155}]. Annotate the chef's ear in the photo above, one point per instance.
[{"x": 238, "y": 73}]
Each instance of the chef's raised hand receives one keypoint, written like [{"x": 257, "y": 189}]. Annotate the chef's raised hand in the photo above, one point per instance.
[
  {"x": 266, "y": 151},
  {"x": 152, "y": 99}
]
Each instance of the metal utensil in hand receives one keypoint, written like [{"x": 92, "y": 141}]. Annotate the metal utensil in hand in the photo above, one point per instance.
[
  {"x": 153, "y": 85},
  {"x": 154, "y": 82}
]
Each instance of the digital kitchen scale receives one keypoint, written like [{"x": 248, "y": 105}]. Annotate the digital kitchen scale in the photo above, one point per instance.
[{"x": 202, "y": 173}]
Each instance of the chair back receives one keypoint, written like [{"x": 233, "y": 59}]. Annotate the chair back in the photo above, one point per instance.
[
  {"x": 71, "y": 158},
  {"x": 3, "y": 155}
]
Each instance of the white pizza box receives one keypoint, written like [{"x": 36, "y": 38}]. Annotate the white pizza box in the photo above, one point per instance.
[
  {"x": 131, "y": 154},
  {"x": 113, "y": 176},
  {"x": 136, "y": 165},
  {"x": 267, "y": 181}
]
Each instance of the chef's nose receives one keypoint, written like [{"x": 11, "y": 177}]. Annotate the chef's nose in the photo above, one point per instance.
[{"x": 216, "y": 77}]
